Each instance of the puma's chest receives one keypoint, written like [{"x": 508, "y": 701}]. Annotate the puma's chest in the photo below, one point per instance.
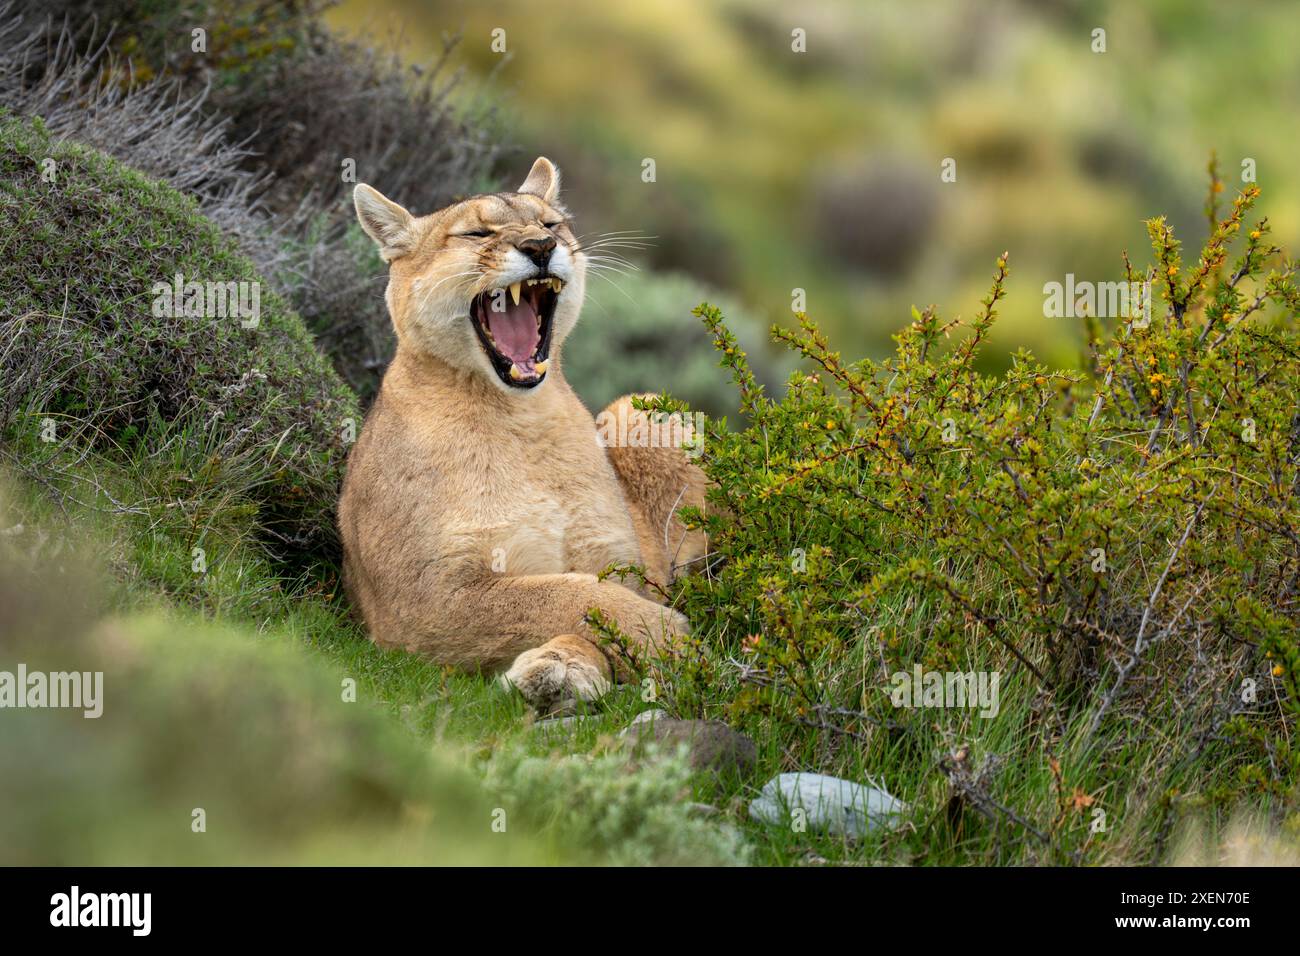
[{"x": 573, "y": 518}]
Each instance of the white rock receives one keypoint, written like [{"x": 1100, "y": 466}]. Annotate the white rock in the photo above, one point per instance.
[
  {"x": 828, "y": 803},
  {"x": 643, "y": 718}
]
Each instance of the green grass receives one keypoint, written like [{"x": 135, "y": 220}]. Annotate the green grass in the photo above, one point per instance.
[
  {"x": 477, "y": 728},
  {"x": 243, "y": 597},
  {"x": 432, "y": 736}
]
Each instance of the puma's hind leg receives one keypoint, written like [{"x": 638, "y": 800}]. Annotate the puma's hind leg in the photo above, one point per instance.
[{"x": 659, "y": 478}]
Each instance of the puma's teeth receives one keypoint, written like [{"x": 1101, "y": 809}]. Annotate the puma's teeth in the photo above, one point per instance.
[
  {"x": 539, "y": 369},
  {"x": 557, "y": 285},
  {"x": 514, "y": 292}
]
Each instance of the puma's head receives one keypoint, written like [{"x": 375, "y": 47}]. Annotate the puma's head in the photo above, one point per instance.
[{"x": 492, "y": 283}]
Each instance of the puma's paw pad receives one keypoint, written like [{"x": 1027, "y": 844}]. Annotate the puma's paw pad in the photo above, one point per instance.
[{"x": 545, "y": 675}]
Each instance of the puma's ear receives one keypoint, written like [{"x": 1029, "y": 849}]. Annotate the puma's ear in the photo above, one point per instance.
[
  {"x": 384, "y": 221},
  {"x": 543, "y": 180}
]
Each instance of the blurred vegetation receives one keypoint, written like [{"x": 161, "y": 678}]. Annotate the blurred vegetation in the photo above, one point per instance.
[
  {"x": 237, "y": 693},
  {"x": 778, "y": 170},
  {"x": 638, "y": 334}
]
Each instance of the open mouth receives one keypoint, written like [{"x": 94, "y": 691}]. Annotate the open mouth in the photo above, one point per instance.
[{"x": 514, "y": 325}]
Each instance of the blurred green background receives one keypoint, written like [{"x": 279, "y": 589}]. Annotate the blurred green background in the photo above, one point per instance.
[{"x": 821, "y": 170}]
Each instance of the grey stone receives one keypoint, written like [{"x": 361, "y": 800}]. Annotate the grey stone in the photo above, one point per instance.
[
  {"x": 830, "y": 804},
  {"x": 711, "y": 744},
  {"x": 560, "y": 724}
]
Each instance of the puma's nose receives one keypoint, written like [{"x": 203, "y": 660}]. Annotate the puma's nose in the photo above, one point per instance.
[{"x": 539, "y": 250}]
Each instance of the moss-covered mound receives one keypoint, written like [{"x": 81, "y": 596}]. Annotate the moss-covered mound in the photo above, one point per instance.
[{"x": 90, "y": 345}]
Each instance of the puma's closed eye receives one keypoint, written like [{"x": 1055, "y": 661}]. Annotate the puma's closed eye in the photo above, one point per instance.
[
  {"x": 481, "y": 234},
  {"x": 553, "y": 225}
]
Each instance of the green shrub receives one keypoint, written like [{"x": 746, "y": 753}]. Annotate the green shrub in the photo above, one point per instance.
[
  {"x": 638, "y": 334},
  {"x": 1122, "y": 545},
  {"x": 83, "y": 350}
]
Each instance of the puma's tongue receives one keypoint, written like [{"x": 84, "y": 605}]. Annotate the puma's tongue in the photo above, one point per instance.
[{"x": 515, "y": 330}]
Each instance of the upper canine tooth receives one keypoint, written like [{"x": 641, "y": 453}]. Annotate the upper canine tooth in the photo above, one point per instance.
[
  {"x": 557, "y": 285},
  {"x": 514, "y": 292}
]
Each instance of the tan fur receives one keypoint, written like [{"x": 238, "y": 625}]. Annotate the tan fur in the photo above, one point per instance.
[
  {"x": 475, "y": 516},
  {"x": 564, "y": 667},
  {"x": 659, "y": 480}
]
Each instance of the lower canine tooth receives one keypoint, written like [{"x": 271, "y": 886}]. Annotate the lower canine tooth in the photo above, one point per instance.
[
  {"x": 541, "y": 367},
  {"x": 515, "y": 373}
]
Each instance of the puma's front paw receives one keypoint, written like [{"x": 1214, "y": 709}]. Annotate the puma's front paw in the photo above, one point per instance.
[{"x": 564, "y": 667}]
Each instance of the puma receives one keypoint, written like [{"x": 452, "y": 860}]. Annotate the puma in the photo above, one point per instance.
[{"x": 480, "y": 501}]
